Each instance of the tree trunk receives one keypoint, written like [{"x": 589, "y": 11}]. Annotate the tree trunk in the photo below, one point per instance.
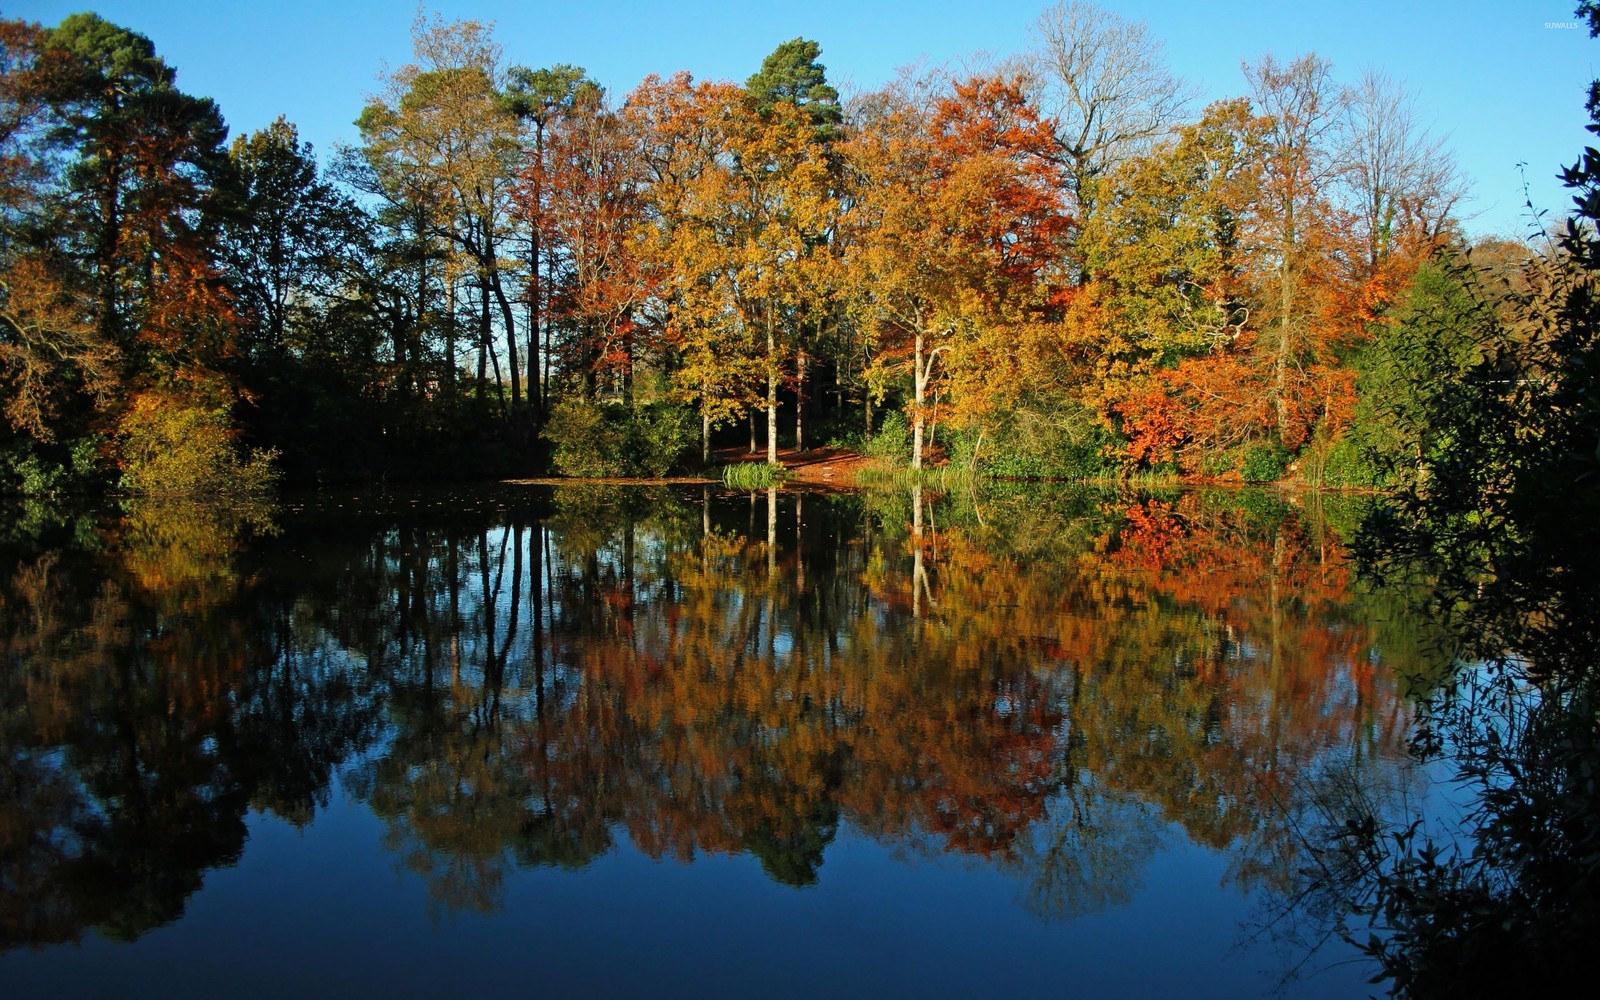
[
  {"x": 511, "y": 340},
  {"x": 627, "y": 362},
  {"x": 550, "y": 370},
  {"x": 414, "y": 337},
  {"x": 486, "y": 335},
  {"x": 799, "y": 401},
  {"x": 483, "y": 344},
  {"x": 591, "y": 378},
  {"x": 919, "y": 377},
  {"x": 398, "y": 334},
  {"x": 772, "y": 392},
  {"x": 1280, "y": 367},
  {"x": 105, "y": 252},
  {"x": 535, "y": 373},
  {"x": 705, "y": 435},
  {"x": 494, "y": 362},
  {"x": 450, "y": 344},
  {"x": 491, "y": 271}
]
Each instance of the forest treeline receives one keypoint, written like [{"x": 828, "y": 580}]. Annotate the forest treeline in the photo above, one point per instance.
[{"x": 1053, "y": 265}]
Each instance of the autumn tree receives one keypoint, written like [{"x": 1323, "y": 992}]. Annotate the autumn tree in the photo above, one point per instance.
[
  {"x": 741, "y": 203},
  {"x": 52, "y": 356},
  {"x": 144, "y": 161},
  {"x": 592, "y": 189},
  {"x": 409, "y": 295},
  {"x": 1168, "y": 240},
  {"x": 1230, "y": 294},
  {"x": 1402, "y": 183},
  {"x": 22, "y": 168},
  {"x": 791, "y": 75},
  {"x": 962, "y": 219},
  {"x": 1303, "y": 108},
  {"x": 778, "y": 224},
  {"x": 1169, "y": 316},
  {"x": 50, "y": 352},
  {"x": 130, "y": 234},
  {"x": 682, "y": 130}
]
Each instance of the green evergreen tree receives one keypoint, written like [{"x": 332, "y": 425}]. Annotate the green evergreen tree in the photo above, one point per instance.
[{"x": 791, "y": 74}]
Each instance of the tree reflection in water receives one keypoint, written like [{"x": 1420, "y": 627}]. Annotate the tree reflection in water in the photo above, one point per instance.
[{"x": 1055, "y": 685}]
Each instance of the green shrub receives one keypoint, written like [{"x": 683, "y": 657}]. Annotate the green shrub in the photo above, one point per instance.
[
  {"x": 1264, "y": 463},
  {"x": 659, "y": 434},
  {"x": 171, "y": 443},
  {"x": 1028, "y": 444},
  {"x": 599, "y": 440},
  {"x": 584, "y": 441},
  {"x": 1219, "y": 463},
  {"x": 23, "y": 470},
  {"x": 31, "y": 469},
  {"x": 892, "y": 442},
  {"x": 849, "y": 440},
  {"x": 1347, "y": 463}
]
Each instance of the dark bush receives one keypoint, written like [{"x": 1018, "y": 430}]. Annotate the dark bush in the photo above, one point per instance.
[{"x": 592, "y": 439}]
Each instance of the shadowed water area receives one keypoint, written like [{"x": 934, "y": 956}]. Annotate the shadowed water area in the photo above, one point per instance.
[{"x": 682, "y": 741}]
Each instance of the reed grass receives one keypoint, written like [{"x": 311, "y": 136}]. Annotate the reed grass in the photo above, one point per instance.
[{"x": 752, "y": 475}]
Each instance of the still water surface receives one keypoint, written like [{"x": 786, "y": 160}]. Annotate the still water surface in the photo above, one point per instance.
[{"x": 682, "y": 742}]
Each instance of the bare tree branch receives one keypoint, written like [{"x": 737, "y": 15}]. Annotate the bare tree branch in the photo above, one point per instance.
[{"x": 1104, "y": 81}]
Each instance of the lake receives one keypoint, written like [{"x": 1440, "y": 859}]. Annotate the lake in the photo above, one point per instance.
[{"x": 679, "y": 741}]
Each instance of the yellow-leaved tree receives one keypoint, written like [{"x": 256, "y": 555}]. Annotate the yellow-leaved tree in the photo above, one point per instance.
[{"x": 959, "y": 222}]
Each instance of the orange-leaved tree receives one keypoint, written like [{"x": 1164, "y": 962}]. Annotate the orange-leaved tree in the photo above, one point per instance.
[
  {"x": 960, "y": 220},
  {"x": 592, "y": 181}
]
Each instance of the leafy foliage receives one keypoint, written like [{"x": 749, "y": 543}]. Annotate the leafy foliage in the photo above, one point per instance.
[
  {"x": 1052, "y": 267},
  {"x": 612, "y": 439},
  {"x": 1264, "y": 463},
  {"x": 1410, "y": 377},
  {"x": 33, "y": 470},
  {"x": 891, "y": 442},
  {"x": 1033, "y": 444},
  {"x": 170, "y": 443}
]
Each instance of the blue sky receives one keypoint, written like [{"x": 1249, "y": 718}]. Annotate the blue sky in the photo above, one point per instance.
[{"x": 1505, "y": 79}]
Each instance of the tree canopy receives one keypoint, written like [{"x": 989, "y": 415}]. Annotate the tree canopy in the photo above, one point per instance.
[{"x": 1055, "y": 268}]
